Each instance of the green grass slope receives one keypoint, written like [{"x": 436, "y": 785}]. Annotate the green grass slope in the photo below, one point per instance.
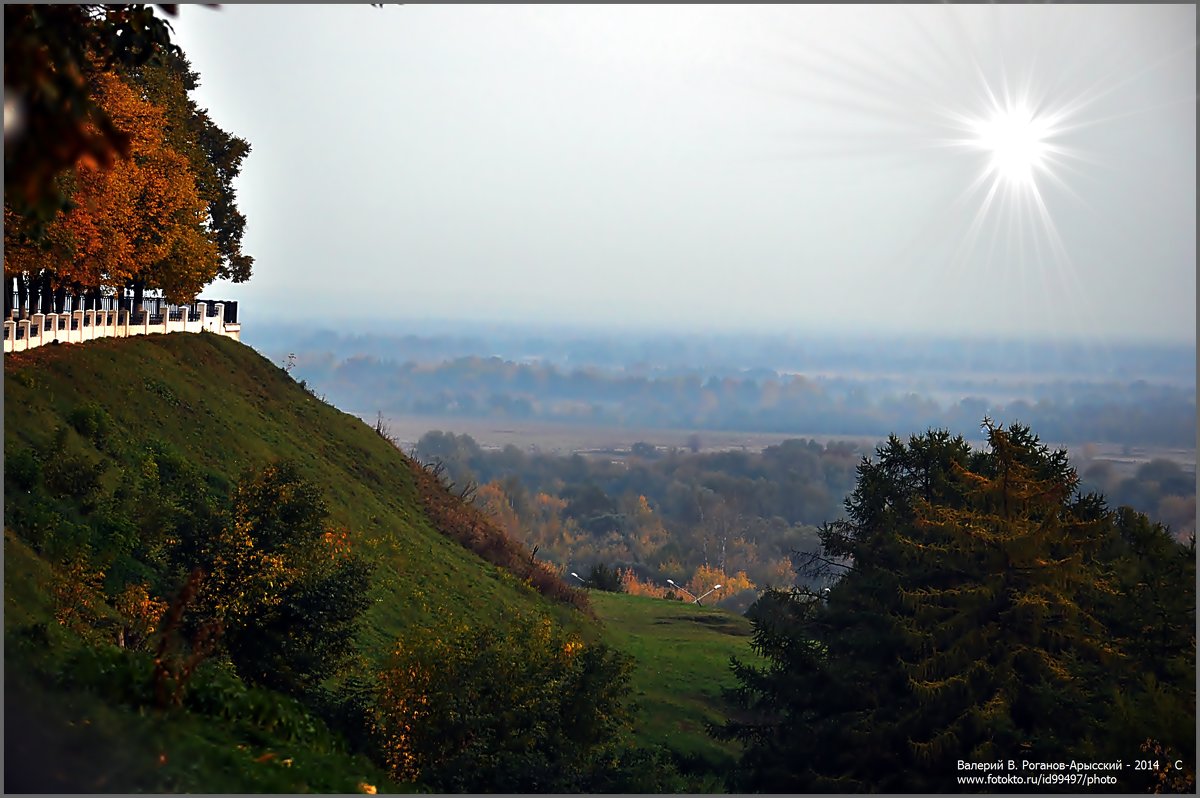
[
  {"x": 225, "y": 409},
  {"x": 682, "y": 656},
  {"x": 91, "y": 419}
]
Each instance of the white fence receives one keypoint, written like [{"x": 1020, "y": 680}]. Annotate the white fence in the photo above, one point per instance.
[{"x": 87, "y": 325}]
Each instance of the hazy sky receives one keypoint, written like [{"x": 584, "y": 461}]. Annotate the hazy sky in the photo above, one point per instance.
[{"x": 768, "y": 168}]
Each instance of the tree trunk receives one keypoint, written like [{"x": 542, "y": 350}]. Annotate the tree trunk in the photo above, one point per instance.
[
  {"x": 139, "y": 287},
  {"x": 76, "y": 297},
  {"x": 47, "y": 292},
  {"x": 22, "y": 295},
  {"x": 60, "y": 298},
  {"x": 35, "y": 292},
  {"x": 8, "y": 297}
]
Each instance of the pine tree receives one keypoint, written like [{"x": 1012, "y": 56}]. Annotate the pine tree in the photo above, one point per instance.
[
  {"x": 980, "y": 608},
  {"x": 1007, "y": 643}
]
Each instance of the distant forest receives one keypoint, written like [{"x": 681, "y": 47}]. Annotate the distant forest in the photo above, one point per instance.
[
  {"x": 753, "y": 400},
  {"x": 734, "y": 518}
]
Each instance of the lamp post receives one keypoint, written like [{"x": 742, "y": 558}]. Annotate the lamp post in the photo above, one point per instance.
[
  {"x": 711, "y": 589},
  {"x": 694, "y": 598},
  {"x": 679, "y": 587},
  {"x": 580, "y": 578}
]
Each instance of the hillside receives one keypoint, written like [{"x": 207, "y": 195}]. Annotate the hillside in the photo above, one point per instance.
[
  {"x": 109, "y": 443},
  {"x": 682, "y": 656},
  {"x": 225, "y": 409}
]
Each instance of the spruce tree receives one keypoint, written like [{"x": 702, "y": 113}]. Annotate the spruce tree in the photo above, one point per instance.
[{"x": 980, "y": 608}]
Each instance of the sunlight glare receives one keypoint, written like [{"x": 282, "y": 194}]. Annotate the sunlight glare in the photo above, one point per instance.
[{"x": 1016, "y": 139}]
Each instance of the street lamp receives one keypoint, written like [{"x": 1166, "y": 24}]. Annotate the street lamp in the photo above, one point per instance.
[
  {"x": 714, "y": 587},
  {"x": 680, "y": 587},
  {"x": 580, "y": 578}
]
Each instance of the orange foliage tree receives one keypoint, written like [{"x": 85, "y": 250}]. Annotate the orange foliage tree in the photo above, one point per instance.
[
  {"x": 141, "y": 220},
  {"x": 636, "y": 587},
  {"x": 492, "y": 499},
  {"x": 706, "y": 578},
  {"x": 647, "y": 533}
]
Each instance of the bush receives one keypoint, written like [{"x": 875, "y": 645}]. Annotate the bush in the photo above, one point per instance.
[
  {"x": 601, "y": 577},
  {"x": 288, "y": 594},
  {"x": 92, "y": 422},
  {"x": 70, "y": 476},
  {"x": 531, "y": 709},
  {"x": 22, "y": 470}
]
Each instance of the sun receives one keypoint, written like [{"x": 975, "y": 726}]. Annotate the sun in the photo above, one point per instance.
[{"x": 1016, "y": 139}]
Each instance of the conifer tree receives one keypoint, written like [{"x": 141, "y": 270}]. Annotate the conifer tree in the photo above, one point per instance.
[{"x": 980, "y": 608}]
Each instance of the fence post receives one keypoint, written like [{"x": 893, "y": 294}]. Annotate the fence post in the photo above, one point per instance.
[{"x": 39, "y": 323}]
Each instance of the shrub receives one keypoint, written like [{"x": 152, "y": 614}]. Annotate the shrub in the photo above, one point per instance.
[
  {"x": 70, "y": 476},
  {"x": 602, "y": 577},
  {"x": 92, "y": 422},
  {"x": 531, "y": 709},
  {"x": 474, "y": 530},
  {"x": 22, "y": 470},
  {"x": 286, "y": 588}
]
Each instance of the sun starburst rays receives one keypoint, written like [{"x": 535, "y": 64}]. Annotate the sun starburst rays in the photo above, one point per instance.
[{"x": 1009, "y": 142}]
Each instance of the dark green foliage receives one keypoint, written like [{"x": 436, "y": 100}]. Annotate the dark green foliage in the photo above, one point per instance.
[
  {"x": 602, "y": 577},
  {"x": 92, "y": 422},
  {"x": 299, "y": 628},
  {"x": 531, "y": 709},
  {"x": 74, "y": 477},
  {"x": 22, "y": 470},
  {"x": 294, "y": 646},
  {"x": 985, "y": 610}
]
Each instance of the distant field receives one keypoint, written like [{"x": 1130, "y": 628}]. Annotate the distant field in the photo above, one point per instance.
[
  {"x": 570, "y": 438},
  {"x": 614, "y": 442}
]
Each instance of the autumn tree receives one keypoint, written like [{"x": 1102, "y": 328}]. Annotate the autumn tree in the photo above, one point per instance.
[
  {"x": 645, "y": 529},
  {"x": 706, "y": 578},
  {"x": 492, "y": 499},
  {"x": 140, "y": 220},
  {"x": 52, "y": 53},
  {"x": 108, "y": 185},
  {"x": 143, "y": 219},
  {"x": 214, "y": 155}
]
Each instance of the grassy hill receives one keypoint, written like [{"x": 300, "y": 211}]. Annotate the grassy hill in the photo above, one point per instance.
[
  {"x": 224, "y": 409},
  {"x": 108, "y": 443}
]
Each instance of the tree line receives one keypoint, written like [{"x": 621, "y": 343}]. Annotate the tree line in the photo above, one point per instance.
[
  {"x": 748, "y": 400},
  {"x": 1162, "y": 489}
]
